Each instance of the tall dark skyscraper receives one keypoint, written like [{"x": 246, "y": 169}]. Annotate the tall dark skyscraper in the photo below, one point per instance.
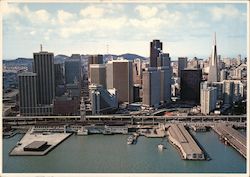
[
  {"x": 44, "y": 68},
  {"x": 27, "y": 83},
  {"x": 163, "y": 60},
  {"x": 155, "y": 50},
  {"x": 213, "y": 65},
  {"x": 182, "y": 64},
  {"x": 190, "y": 85},
  {"x": 73, "y": 69}
]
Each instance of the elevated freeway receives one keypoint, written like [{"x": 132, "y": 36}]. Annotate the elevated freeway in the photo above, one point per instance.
[{"x": 239, "y": 120}]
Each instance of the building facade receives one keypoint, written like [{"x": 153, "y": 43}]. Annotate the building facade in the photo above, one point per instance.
[
  {"x": 44, "y": 68},
  {"x": 190, "y": 85},
  {"x": 151, "y": 87},
  {"x": 102, "y": 100},
  {"x": 28, "y": 93},
  {"x": 208, "y": 98},
  {"x": 119, "y": 74},
  {"x": 182, "y": 64},
  {"x": 155, "y": 50},
  {"x": 98, "y": 74},
  {"x": 73, "y": 69}
]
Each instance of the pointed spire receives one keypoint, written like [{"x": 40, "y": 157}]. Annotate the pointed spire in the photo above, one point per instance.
[
  {"x": 41, "y": 47},
  {"x": 214, "y": 38}
]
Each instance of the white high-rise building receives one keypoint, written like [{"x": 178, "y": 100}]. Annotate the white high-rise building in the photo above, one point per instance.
[
  {"x": 232, "y": 91},
  {"x": 208, "y": 98}
]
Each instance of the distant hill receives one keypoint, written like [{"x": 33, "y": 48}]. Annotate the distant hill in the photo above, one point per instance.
[
  {"x": 128, "y": 56},
  {"x": 61, "y": 59},
  {"x": 131, "y": 56},
  {"x": 18, "y": 61}
]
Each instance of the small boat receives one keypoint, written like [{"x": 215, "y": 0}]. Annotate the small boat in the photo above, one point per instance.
[
  {"x": 130, "y": 140},
  {"x": 107, "y": 132},
  {"x": 161, "y": 147},
  {"x": 82, "y": 131}
]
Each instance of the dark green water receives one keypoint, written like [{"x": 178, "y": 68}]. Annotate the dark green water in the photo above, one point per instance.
[{"x": 100, "y": 153}]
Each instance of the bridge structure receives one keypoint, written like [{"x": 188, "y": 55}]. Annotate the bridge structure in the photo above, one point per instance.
[{"x": 133, "y": 120}]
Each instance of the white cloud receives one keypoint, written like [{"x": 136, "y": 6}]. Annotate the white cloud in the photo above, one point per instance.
[
  {"x": 42, "y": 15},
  {"x": 7, "y": 8},
  {"x": 228, "y": 11},
  {"x": 36, "y": 17},
  {"x": 63, "y": 16},
  {"x": 146, "y": 12},
  {"x": 92, "y": 11},
  {"x": 33, "y": 33},
  {"x": 93, "y": 26}
]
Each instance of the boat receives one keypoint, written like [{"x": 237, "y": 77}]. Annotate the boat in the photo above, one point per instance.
[
  {"x": 82, "y": 131},
  {"x": 161, "y": 147},
  {"x": 130, "y": 140},
  {"x": 107, "y": 132}
]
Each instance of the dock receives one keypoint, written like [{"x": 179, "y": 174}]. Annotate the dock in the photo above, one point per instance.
[
  {"x": 231, "y": 136},
  {"x": 152, "y": 133},
  {"x": 183, "y": 141},
  {"x": 37, "y": 144}
]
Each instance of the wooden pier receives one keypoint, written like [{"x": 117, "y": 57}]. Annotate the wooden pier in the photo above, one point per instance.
[{"x": 231, "y": 136}]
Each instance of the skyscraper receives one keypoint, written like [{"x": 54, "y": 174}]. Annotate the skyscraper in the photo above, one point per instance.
[
  {"x": 95, "y": 59},
  {"x": 44, "y": 68},
  {"x": 73, "y": 69},
  {"x": 137, "y": 71},
  {"x": 155, "y": 50},
  {"x": 27, "y": 83},
  {"x": 213, "y": 64},
  {"x": 59, "y": 78},
  {"x": 165, "y": 84},
  {"x": 119, "y": 74},
  {"x": 98, "y": 74},
  {"x": 190, "y": 85},
  {"x": 102, "y": 100},
  {"x": 151, "y": 87},
  {"x": 182, "y": 64},
  {"x": 208, "y": 98},
  {"x": 163, "y": 60}
]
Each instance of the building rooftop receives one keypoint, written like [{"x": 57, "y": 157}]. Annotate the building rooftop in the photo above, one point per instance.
[{"x": 35, "y": 144}]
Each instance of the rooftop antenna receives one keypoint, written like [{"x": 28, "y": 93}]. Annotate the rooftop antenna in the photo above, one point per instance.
[{"x": 41, "y": 47}]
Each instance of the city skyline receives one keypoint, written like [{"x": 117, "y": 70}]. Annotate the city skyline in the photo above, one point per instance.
[{"x": 125, "y": 27}]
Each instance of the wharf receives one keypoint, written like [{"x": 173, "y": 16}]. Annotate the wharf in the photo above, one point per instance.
[
  {"x": 233, "y": 137},
  {"x": 51, "y": 139},
  {"x": 186, "y": 145},
  {"x": 152, "y": 133}
]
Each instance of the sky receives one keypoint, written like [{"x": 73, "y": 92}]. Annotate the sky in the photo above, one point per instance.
[{"x": 118, "y": 28}]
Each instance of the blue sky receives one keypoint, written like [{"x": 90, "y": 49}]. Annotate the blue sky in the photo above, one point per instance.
[{"x": 184, "y": 29}]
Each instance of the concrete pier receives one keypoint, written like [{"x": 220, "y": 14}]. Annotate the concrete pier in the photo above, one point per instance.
[
  {"x": 34, "y": 139},
  {"x": 233, "y": 137},
  {"x": 187, "y": 146}
]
